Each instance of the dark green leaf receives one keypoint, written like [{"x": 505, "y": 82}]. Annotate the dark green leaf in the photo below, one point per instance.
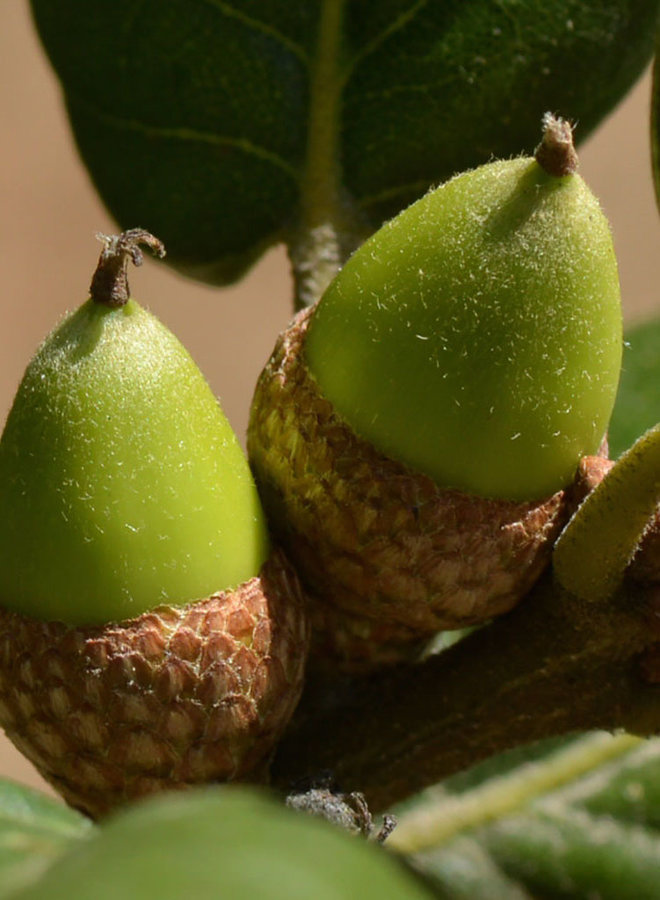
[
  {"x": 34, "y": 831},
  {"x": 193, "y": 116},
  {"x": 437, "y": 87},
  {"x": 638, "y": 401},
  {"x": 577, "y": 819}
]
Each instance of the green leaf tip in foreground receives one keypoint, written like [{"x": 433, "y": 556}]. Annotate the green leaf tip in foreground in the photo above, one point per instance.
[
  {"x": 582, "y": 822},
  {"x": 34, "y": 831},
  {"x": 209, "y": 124},
  {"x": 596, "y": 546},
  {"x": 223, "y": 842}
]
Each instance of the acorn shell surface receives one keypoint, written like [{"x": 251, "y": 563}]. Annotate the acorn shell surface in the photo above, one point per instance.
[
  {"x": 121, "y": 480},
  {"x": 371, "y": 536},
  {"x": 477, "y": 336},
  {"x": 177, "y": 696}
]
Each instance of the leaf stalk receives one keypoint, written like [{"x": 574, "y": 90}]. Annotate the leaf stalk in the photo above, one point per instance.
[{"x": 325, "y": 234}]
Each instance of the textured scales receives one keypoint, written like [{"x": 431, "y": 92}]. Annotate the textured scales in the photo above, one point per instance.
[
  {"x": 358, "y": 644},
  {"x": 177, "y": 696},
  {"x": 371, "y": 536}
]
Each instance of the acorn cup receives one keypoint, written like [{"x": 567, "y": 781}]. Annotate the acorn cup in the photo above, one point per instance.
[
  {"x": 416, "y": 435},
  {"x": 150, "y": 636}
]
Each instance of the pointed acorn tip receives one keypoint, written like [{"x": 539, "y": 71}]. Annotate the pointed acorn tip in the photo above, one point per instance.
[
  {"x": 556, "y": 153},
  {"x": 110, "y": 280}
]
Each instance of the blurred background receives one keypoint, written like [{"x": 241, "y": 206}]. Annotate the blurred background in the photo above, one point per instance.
[{"x": 49, "y": 215}]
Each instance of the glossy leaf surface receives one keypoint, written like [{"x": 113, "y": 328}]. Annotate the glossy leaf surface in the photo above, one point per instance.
[{"x": 193, "y": 116}]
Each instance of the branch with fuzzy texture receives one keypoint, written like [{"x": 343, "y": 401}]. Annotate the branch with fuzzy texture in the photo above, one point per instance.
[{"x": 552, "y": 666}]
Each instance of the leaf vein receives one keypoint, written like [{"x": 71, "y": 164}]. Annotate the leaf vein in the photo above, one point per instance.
[
  {"x": 190, "y": 134},
  {"x": 232, "y": 13},
  {"x": 396, "y": 25}
]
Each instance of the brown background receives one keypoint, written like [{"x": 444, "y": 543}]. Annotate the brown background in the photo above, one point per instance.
[{"x": 49, "y": 214}]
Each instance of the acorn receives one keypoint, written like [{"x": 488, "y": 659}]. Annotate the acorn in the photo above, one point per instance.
[
  {"x": 416, "y": 434},
  {"x": 150, "y": 636}
]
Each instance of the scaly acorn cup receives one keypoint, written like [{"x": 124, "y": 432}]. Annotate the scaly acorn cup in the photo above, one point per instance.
[
  {"x": 415, "y": 436},
  {"x": 150, "y": 638}
]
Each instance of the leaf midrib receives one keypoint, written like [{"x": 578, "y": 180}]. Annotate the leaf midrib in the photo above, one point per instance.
[
  {"x": 320, "y": 183},
  {"x": 439, "y": 820}
]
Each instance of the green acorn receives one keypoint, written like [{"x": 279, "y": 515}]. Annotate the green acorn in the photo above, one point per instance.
[
  {"x": 149, "y": 635},
  {"x": 416, "y": 434}
]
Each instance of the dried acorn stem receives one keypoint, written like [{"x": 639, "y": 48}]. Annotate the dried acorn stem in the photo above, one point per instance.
[
  {"x": 556, "y": 152},
  {"x": 110, "y": 280}
]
